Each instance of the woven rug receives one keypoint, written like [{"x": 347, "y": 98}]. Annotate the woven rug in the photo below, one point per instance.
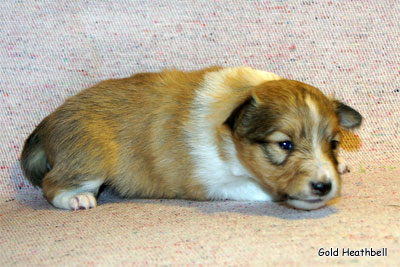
[{"x": 50, "y": 50}]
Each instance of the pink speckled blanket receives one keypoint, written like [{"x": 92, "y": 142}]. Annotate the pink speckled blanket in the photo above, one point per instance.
[{"x": 50, "y": 50}]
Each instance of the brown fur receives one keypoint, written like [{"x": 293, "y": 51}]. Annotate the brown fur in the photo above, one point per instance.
[
  {"x": 282, "y": 106},
  {"x": 131, "y": 134},
  {"x": 127, "y": 132}
]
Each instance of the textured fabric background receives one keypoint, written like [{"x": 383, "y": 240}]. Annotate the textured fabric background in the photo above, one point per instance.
[{"x": 50, "y": 50}]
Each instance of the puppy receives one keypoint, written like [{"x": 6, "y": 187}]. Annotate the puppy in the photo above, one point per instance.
[{"x": 213, "y": 134}]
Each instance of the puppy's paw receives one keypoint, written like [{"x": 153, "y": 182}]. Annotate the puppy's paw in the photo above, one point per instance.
[
  {"x": 342, "y": 166},
  {"x": 82, "y": 201},
  {"x": 70, "y": 200}
]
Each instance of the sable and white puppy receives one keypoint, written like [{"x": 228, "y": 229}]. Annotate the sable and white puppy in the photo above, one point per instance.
[{"x": 217, "y": 133}]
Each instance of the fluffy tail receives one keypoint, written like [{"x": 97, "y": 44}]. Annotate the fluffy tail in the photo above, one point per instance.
[{"x": 34, "y": 160}]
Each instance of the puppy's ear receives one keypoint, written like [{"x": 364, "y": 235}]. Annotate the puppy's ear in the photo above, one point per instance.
[
  {"x": 348, "y": 117},
  {"x": 233, "y": 119}
]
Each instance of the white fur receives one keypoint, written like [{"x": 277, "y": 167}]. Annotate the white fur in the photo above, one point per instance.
[
  {"x": 342, "y": 166},
  {"x": 278, "y": 137},
  {"x": 325, "y": 171},
  {"x": 222, "y": 179},
  {"x": 82, "y": 197},
  {"x": 83, "y": 201},
  {"x": 305, "y": 205}
]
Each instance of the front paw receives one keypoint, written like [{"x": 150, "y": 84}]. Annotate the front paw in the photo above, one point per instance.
[{"x": 342, "y": 166}]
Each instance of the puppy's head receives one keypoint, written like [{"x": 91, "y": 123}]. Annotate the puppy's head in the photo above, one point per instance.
[{"x": 286, "y": 135}]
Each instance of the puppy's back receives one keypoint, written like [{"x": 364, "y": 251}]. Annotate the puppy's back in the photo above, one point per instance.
[{"x": 127, "y": 133}]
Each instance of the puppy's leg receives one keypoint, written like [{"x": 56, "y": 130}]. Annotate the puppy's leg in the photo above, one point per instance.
[
  {"x": 71, "y": 196},
  {"x": 342, "y": 166}
]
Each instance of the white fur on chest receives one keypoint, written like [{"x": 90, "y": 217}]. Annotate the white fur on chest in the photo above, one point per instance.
[{"x": 223, "y": 179}]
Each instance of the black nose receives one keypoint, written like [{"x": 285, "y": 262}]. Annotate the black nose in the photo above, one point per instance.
[{"x": 320, "y": 188}]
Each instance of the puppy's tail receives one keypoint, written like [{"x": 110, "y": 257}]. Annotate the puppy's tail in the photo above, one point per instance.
[{"x": 34, "y": 161}]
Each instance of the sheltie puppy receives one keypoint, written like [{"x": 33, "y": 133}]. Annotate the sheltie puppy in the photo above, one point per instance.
[{"x": 214, "y": 134}]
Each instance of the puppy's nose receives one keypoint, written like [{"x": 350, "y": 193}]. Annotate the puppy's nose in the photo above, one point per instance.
[{"x": 320, "y": 188}]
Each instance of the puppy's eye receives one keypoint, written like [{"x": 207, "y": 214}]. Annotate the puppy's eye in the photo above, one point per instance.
[
  {"x": 334, "y": 144},
  {"x": 286, "y": 145}
]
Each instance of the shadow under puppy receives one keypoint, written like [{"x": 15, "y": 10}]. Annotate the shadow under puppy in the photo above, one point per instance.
[{"x": 217, "y": 133}]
